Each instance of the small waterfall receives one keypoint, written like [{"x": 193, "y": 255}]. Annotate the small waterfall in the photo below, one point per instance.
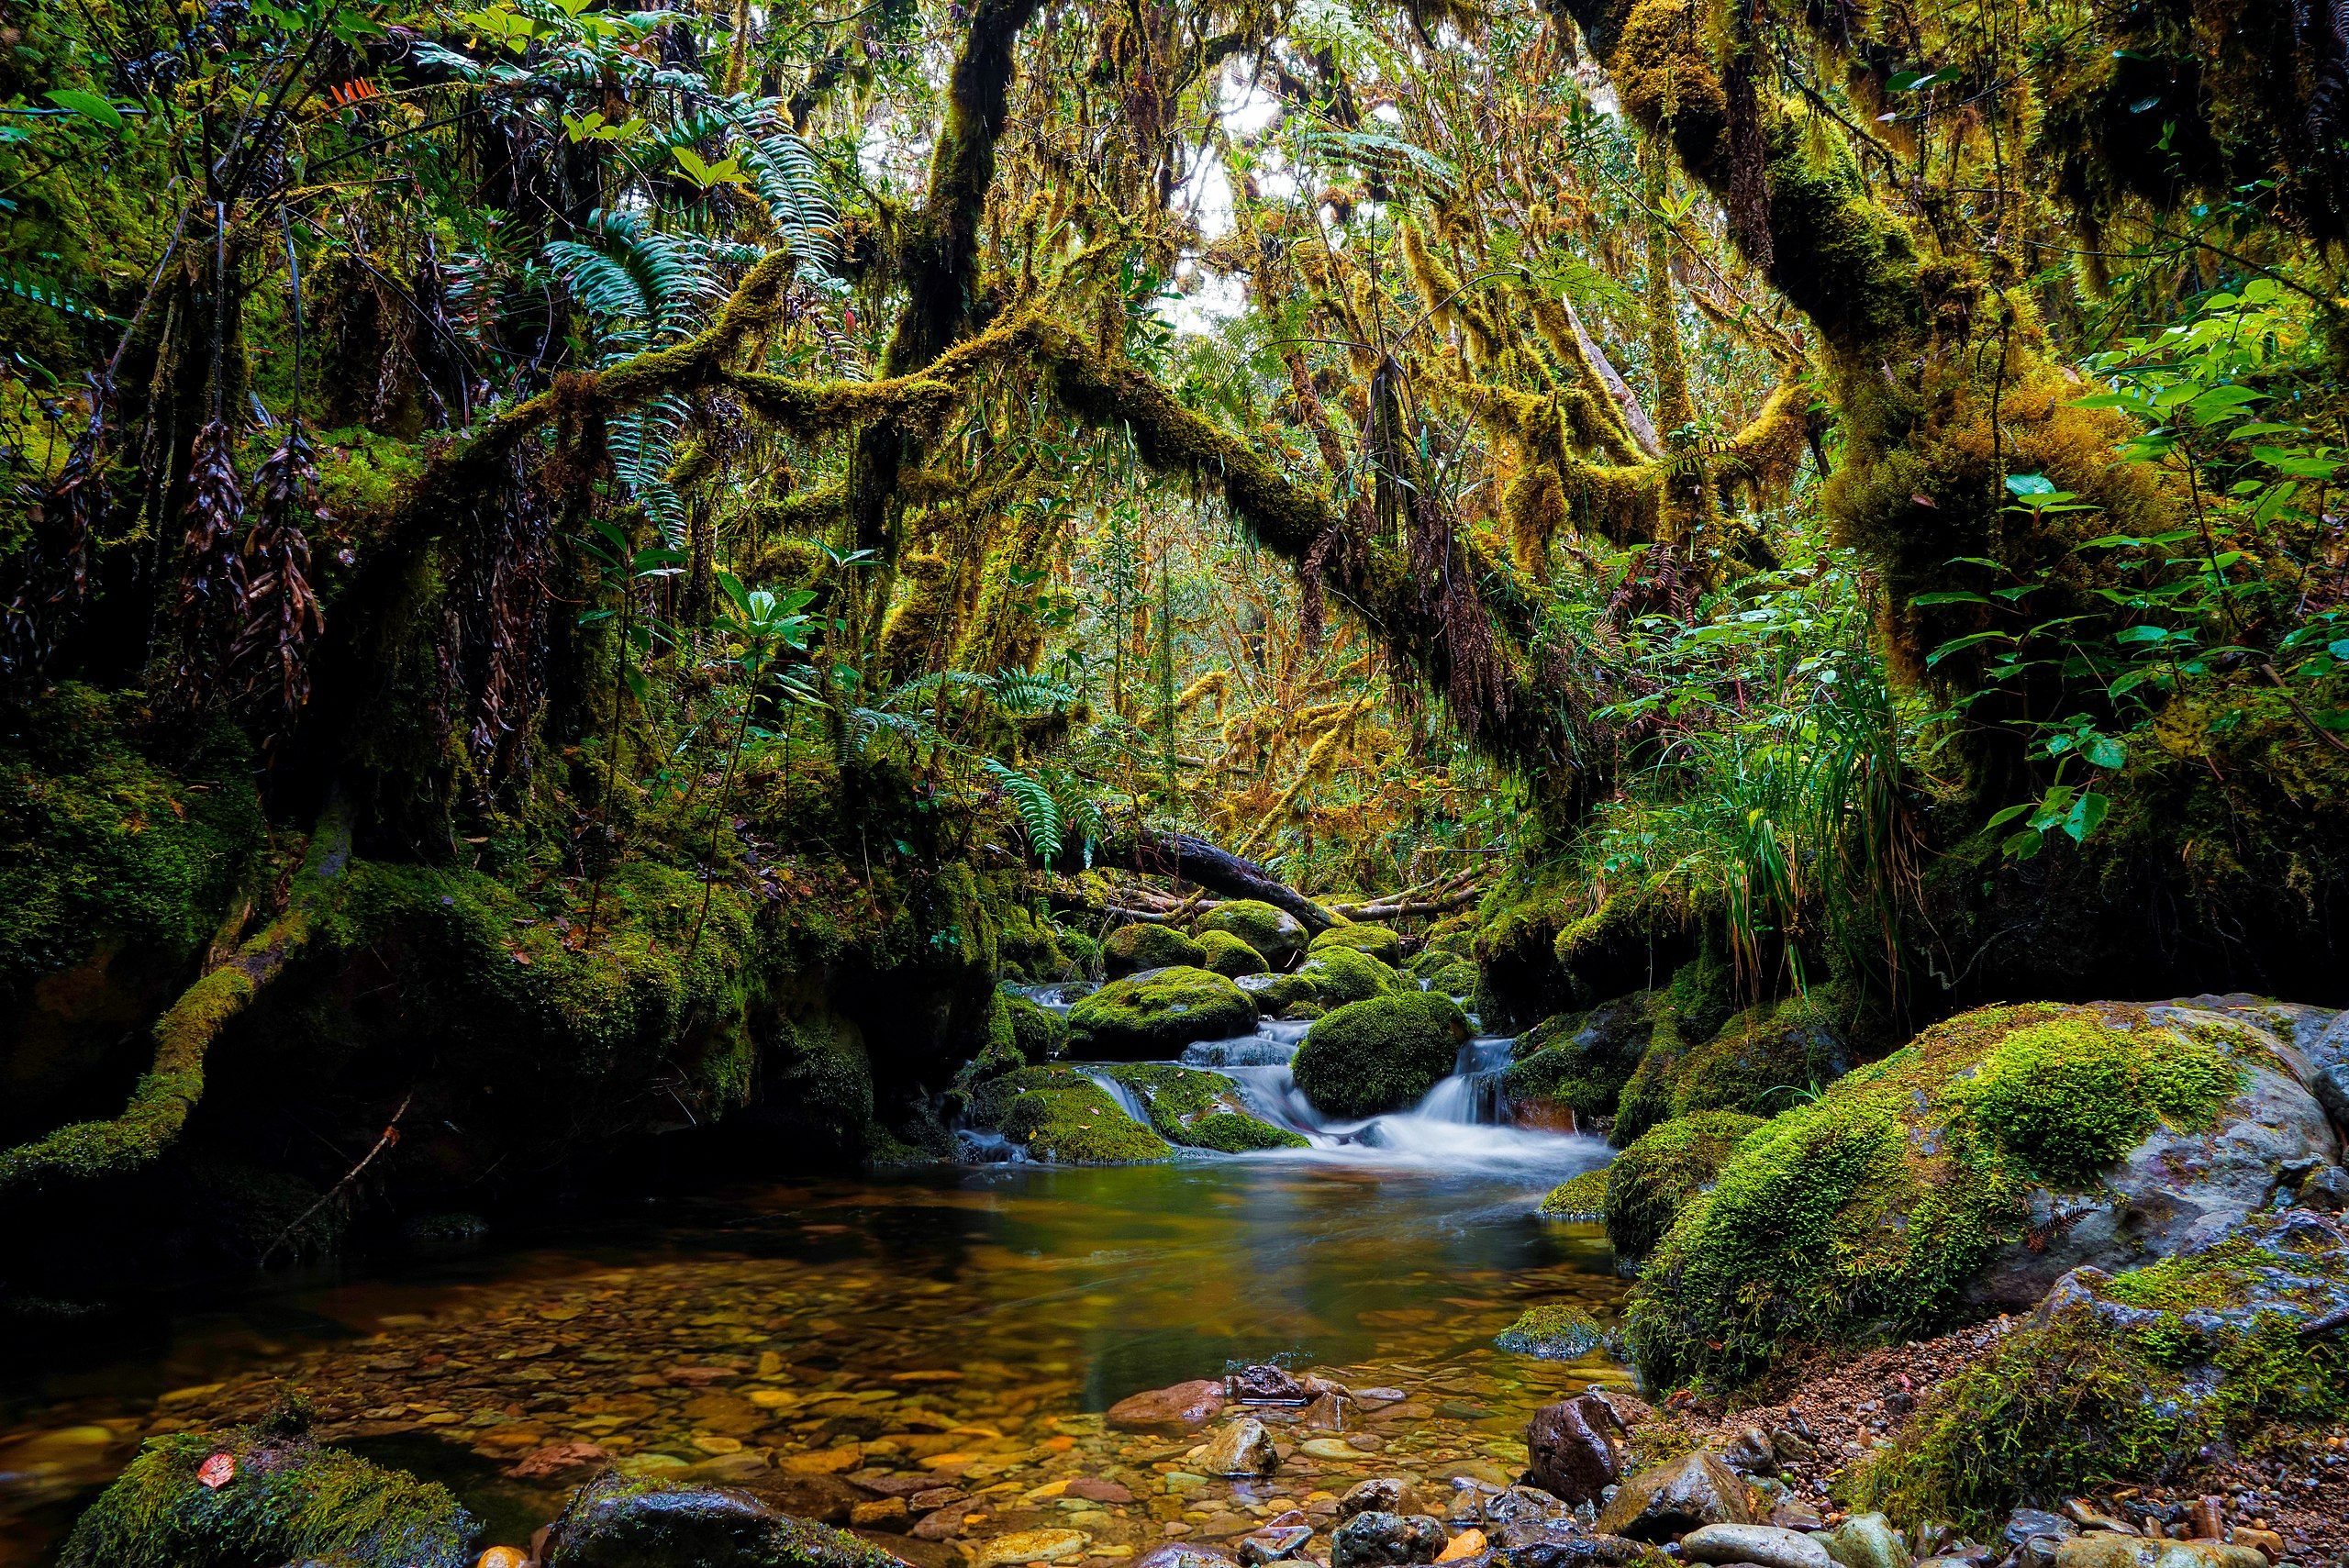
[
  {"x": 1128, "y": 1101},
  {"x": 1472, "y": 1096}
]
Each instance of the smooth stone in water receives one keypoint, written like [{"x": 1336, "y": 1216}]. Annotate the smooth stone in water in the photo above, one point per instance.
[
  {"x": 1181, "y": 1407},
  {"x": 1380, "y": 1494},
  {"x": 1274, "y": 1543},
  {"x": 1184, "y": 1554},
  {"x": 1670, "y": 1500},
  {"x": 1242, "y": 1448},
  {"x": 1574, "y": 1449},
  {"x": 1027, "y": 1546},
  {"x": 1764, "y": 1544},
  {"x": 612, "y": 1522},
  {"x": 1867, "y": 1541},
  {"x": 1377, "y": 1539},
  {"x": 1330, "y": 1448},
  {"x": 2104, "y": 1550}
]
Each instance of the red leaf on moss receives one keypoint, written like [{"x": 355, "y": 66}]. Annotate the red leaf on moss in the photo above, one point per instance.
[{"x": 217, "y": 1472}]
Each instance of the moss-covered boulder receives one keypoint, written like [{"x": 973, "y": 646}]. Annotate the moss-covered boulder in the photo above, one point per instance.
[
  {"x": 1581, "y": 1199},
  {"x": 1379, "y": 941},
  {"x": 1061, "y": 1115},
  {"x": 285, "y": 1499},
  {"x": 1201, "y": 1110},
  {"x": 1960, "y": 1174},
  {"x": 1034, "y": 1031},
  {"x": 1129, "y": 950},
  {"x": 1652, "y": 1181},
  {"x": 1228, "y": 956},
  {"x": 1381, "y": 1054},
  {"x": 618, "y": 1522},
  {"x": 1275, "y": 933},
  {"x": 1553, "y": 1331},
  {"x": 1340, "y": 974},
  {"x": 2131, "y": 1375},
  {"x": 1156, "y": 1013},
  {"x": 1456, "y": 979},
  {"x": 1761, "y": 1061},
  {"x": 1580, "y": 1061}
]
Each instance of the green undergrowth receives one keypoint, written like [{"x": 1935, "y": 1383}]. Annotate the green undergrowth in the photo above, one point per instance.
[
  {"x": 288, "y": 1500},
  {"x": 2131, "y": 1377},
  {"x": 1865, "y": 1214},
  {"x": 1380, "y": 1054}
]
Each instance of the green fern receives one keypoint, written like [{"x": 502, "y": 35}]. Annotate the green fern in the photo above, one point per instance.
[
  {"x": 40, "y": 291},
  {"x": 1039, "y": 814}
]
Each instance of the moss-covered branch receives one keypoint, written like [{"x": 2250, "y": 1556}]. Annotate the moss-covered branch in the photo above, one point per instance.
[{"x": 171, "y": 1087}]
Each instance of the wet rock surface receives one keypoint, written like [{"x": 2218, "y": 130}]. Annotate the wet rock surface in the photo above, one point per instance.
[{"x": 1670, "y": 1500}]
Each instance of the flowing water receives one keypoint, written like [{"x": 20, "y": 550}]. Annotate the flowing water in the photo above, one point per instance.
[{"x": 962, "y": 1325}]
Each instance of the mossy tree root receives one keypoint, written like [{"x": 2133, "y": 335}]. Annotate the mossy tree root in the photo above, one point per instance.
[{"x": 171, "y": 1087}]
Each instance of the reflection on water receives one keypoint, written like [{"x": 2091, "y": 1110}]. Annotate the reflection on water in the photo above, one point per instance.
[{"x": 944, "y": 1322}]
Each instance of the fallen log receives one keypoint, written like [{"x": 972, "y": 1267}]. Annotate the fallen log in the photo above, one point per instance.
[{"x": 1153, "y": 851}]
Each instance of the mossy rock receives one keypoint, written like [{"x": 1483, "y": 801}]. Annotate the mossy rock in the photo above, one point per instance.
[
  {"x": 1228, "y": 956},
  {"x": 288, "y": 1500},
  {"x": 1761, "y": 1061},
  {"x": 1060, "y": 1114},
  {"x": 1201, "y": 1110},
  {"x": 2130, "y": 1375},
  {"x": 1379, "y": 941},
  {"x": 1582, "y": 1198},
  {"x": 618, "y": 1521},
  {"x": 1553, "y": 1332},
  {"x": 1275, "y": 933},
  {"x": 1036, "y": 1033},
  {"x": 1130, "y": 950},
  {"x": 1276, "y": 994},
  {"x": 1652, "y": 1181},
  {"x": 1456, "y": 980},
  {"x": 1965, "y": 1172},
  {"x": 1303, "y": 1012},
  {"x": 1340, "y": 974},
  {"x": 1581, "y": 1061},
  {"x": 1157, "y": 1013},
  {"x": 1370, "y": 1057}
]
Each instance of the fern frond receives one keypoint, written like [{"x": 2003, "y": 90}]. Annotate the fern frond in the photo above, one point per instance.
[{"x": 1039, "y": 814}]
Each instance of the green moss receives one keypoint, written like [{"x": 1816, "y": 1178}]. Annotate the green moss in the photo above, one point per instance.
[
  {"x": 1381, "y": 1054},
  {"x": 1275, "y": 933},
  {"x": 1341, "y": 973},
  {"x": 1036, "y": 1032},
  {"x": 1868, "y": 1212},
  {"x": 1201, "y": 1110},
  {"x": 1582, "y": 1060},
  {"x": 1379, "y": 941},
  {"x": 290, "y": 1500},
  {"x": 1132, "y": 948},
  {"x": 1582, "y": 1198},
  {"x": 1157, "y": 1014},
  {"x": 106, "y": 841},
  {"x": 1227, "y": 955},
  {"x": 1552, "y": 1332},
  {"x": 1653, "y": 1179},
  {"x": 1059, "y": 1114},
  {"x": 1761, "y": 1061},
  {"x": 2131, "y": 1375}
]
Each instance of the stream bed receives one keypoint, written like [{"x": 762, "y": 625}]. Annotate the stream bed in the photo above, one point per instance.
[{"x": 965, "y": 1327}]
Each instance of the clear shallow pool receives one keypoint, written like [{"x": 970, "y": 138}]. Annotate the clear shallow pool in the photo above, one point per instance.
[{"x": 776, "y": 1326}]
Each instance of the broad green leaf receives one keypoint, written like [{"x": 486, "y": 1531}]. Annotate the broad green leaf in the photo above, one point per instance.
[{"x": 89, "y": 106}]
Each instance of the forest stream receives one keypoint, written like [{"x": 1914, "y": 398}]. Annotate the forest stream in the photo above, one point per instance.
[{"x": 967, "y": 1325}]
